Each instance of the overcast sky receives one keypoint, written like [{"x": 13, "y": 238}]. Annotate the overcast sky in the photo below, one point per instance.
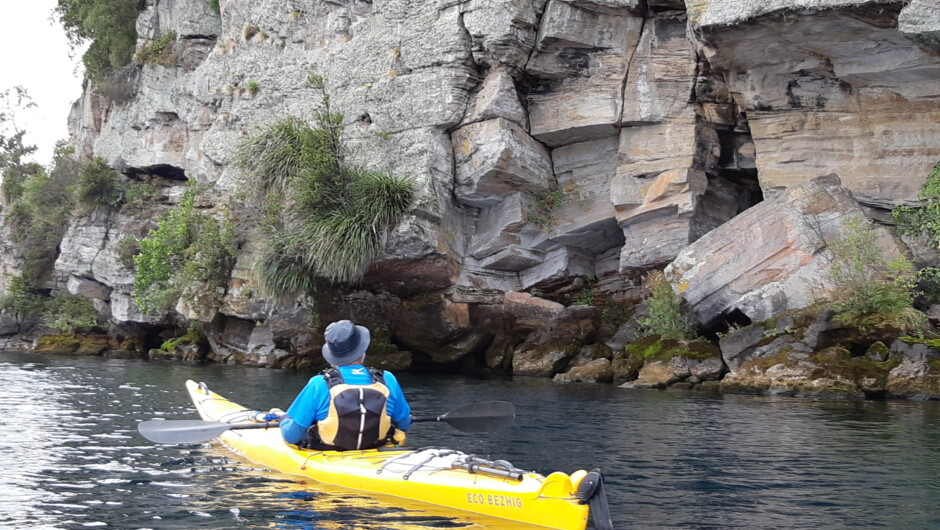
[{"x": 35, "y": 54}]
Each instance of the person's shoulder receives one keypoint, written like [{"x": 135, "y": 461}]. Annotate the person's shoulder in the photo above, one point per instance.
[{"x": 317, "y": 380}]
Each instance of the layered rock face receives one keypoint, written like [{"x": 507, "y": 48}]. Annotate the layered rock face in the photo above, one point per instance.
[{"x": 553, "y": 142}]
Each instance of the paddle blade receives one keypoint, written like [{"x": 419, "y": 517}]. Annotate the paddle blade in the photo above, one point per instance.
[
  {"x": 181, "y": 431},
  {"x": 488, "y": 416}
]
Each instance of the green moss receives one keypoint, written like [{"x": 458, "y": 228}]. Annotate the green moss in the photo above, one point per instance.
[
  {"x": 879, "y": 350},
  {"x": 765, "y": 363},
  {"x": 933, "y": 344},
  {"x": 653, "y": 348},
  {"x": 644, "y": 348},
  {"x": 839, "y": 362}
]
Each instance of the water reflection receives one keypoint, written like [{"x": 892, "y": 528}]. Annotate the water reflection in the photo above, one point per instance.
[{"x": 672, "y": 460}]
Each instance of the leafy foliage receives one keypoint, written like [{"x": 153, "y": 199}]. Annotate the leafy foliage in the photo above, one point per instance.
[
  {"x": 189, "y": 254},
  {"x": 14, "y": 167},
  {"x": 110, "y": 25},
  {"x": 324, "y": 217},
  {"x": 139, "y": 194},
  {"x": 873, "y": 288},
  {"x": 928, "y": 284},
  {"x": 544, "y": 212},
  {"x": 924, "y": 219},
  {"x": 69, "y": 313},
  {"x": 127, "y": 249},
  {"x": 22, "y": 301},
  {"x": 160, "y": 51},
  {"x": 41, "y": 212},
  {"x": 664, "y": 316},
  {"x": 194, "y": 335},
  {"x": 97, "y": 186}
]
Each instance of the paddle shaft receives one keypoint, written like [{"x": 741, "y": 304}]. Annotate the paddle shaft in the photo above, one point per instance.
[
  {"x": 487, "y": 416},
  {"x": 265, "y": 425}
]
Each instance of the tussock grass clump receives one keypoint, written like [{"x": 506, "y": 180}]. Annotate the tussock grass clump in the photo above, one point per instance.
[{"x": 324, "y": 217}]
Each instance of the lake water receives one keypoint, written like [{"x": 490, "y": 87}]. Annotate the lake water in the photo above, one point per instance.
[{"x": 73, "y": 458}]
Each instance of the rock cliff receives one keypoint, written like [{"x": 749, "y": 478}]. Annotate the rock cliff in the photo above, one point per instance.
[{"x": 558, "y": 147}]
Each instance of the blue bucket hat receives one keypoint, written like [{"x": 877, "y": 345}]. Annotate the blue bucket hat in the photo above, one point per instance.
[{"x": 345, "y": 342}]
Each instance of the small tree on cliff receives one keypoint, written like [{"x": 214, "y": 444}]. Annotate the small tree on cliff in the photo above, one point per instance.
[
  {"x": 664, "y": 310},
  {"x": 873, "y": 288},
  {"x": 110, "y": 26},
  {"x": 924, "y": 220},
  {"x": 190, "y": 255}
]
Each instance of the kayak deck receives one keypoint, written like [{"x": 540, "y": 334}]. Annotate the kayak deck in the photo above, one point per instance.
[{"x": 437, "y": 476}]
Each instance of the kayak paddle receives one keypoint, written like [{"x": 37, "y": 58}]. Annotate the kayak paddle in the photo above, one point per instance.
[
  {"x": 191, "y": 431},
  {"x": 488, "y": 416}
]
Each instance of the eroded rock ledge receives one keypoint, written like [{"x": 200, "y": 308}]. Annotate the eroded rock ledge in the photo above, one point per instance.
[{"x": 666, "y": 133}]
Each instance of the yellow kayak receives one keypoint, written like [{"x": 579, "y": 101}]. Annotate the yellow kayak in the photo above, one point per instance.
[{"x": 442, "y": 477}]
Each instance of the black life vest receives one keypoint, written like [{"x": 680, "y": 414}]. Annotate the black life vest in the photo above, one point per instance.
[{"x": 358, "y": 418}]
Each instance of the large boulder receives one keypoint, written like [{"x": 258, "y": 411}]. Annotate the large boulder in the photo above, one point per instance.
[
  {"x": 785, "y": 265},
  {"x": 596, "y": 371}
]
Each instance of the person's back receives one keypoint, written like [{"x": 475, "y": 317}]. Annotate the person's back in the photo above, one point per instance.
[{"x": 348, "y": 406}]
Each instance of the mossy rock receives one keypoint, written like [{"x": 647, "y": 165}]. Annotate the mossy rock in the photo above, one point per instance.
[
  {"x": 762, "y": 364},
  {"x": 397, "y": 361},
  {"x": 730, "y": 385},
  {"x": 933, "y": 344},
  {"x": 878, "y": 351},
  {"x": 869, "y": 375},
  {"x": 73, "y": 344},
  {"x": 627, "y": 367},
  {"x": 653, "y": 348}
]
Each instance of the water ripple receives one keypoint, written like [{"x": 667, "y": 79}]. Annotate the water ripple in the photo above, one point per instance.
[{"x": 672, "y": 460}]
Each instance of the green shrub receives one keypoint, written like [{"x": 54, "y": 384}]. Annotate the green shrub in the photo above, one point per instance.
[
  {"x": 544, "y": 212},
  {"x": 928, "y": 284},
  {"x": 214, "y": 4},
  {"x": 664, "y": 310},
  {"x": 128, "y": 249},
  {"x": 923, "y": 219},
  {"x": 22, "y": 300},
  {"x": 14, "y": 167},
  {"x": 139, "y": 194},
  {"x": 69, "y": 313},
  {"x": 194, "y": 335},
  {"x": 208, "y": 261},
  {"x": 40, "y": 215},
  {"x": 325, "y": 217},
  {"x": 252, "y": 88},
  {"x": 872, "y": 288},
  {"x": 160, "y": 51},
  {"x": 189, "y": 254},
  {"x": 97, "y": 186},
  {"x": 110, "y": 26},
  {"x": 586, "y": 296}
]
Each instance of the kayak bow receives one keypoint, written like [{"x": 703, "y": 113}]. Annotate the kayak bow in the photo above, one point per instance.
[{"x": 442, "y": 477}]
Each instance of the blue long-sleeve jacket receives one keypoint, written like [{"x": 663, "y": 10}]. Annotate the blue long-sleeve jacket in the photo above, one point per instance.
[{"x": 313, "y": 403}]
